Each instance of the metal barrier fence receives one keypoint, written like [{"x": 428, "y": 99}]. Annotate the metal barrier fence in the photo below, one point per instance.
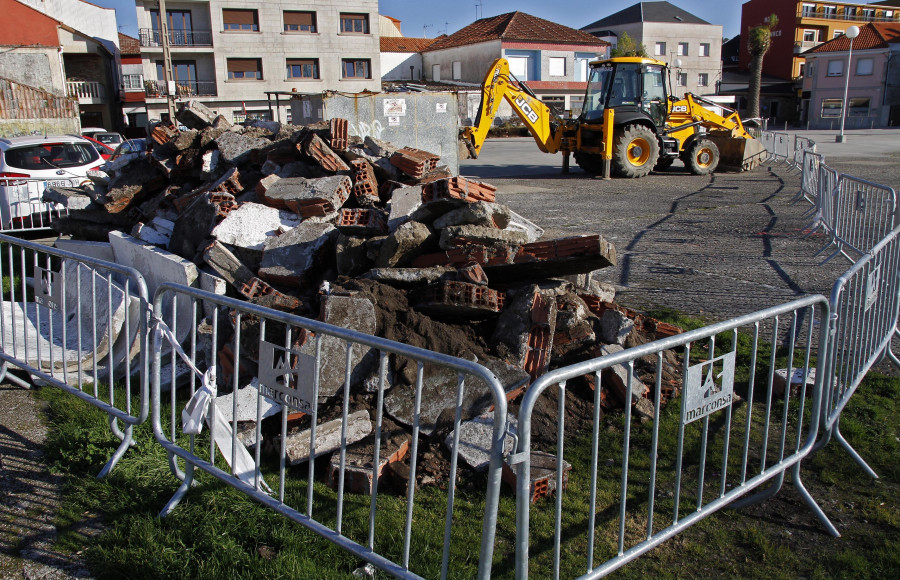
[
  {"x": 823, "y": 210},
  {"x": 299, "y": 362},
  {"x": 782, "y": 147},
  {"x": 809, "y": 177},
  {"x": 729, "y": 432},
  {"x": 767, "y": 138},
  {"x": 802, "y": 144},
  {"x": 21, "y": 208},
  {"x": 79, "y": 324},
  {"x": 865, "y": 303},
  {"x": 864, "y": 214}
]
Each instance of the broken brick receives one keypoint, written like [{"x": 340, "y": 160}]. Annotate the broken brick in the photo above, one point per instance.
[
  {"x": 340, "y": 134},
  {"x": 362, "y": 221},
  {"x": 414, "y": 162},
  {"x": 459, "y": 188},
  {"x": 365, "y": 186},
  {"x": 457, "y": 299},
  {"x": 542, "y": 479},
  {"x": 315, "y": 147}
]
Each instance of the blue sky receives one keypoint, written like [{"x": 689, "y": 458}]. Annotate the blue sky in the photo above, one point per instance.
[{"x": 434, "y": 18}]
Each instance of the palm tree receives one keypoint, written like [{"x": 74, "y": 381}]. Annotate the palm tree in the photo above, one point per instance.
[{"x": 759, "y": 40}]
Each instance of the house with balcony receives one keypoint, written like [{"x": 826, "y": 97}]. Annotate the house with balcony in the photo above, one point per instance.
[
  {"x": 803, "y": 25},
  {"x": 552, "y": 58},
  {"x": 873, "y": 97},
  {"x": 228, "y": 55},
  {"x": 669, "y": 33}
]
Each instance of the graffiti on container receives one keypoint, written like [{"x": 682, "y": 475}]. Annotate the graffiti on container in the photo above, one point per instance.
[{"x": 364, "y": 129}]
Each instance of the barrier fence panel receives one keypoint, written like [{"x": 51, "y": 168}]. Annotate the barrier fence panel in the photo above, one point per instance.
[
  {"x": 21, "y": 208},
  {"x": 865, "y": 302},
  {"x": 824, "y": 209},
  {"x": 335, "y": 385},
  {"x": 864, "y": 213},
  {"x": 802, "y": 144},
  {"x": 730, "y": 430},
  {"x": 79, "y": 324},
  {"x": 809, "y": 177},
  {"x": 782, "y": 143},
  {"x": 768, "y": 141}
]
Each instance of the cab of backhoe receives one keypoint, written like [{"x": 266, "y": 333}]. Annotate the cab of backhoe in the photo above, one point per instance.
[{"x": 635, "y": 87}]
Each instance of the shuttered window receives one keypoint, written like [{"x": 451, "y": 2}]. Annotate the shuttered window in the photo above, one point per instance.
[
  {"x": 302, "y": 68},
  {"x": 247, "y": 20},
  {"x": 245, "y": 68},
  {"x": 295, "y": 21},
  {"x": 355, "y": 23}
]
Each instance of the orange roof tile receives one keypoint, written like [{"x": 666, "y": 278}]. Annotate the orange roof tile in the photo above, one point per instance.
[
  {"x": 404, "y": 44},
  {"x": 872, "y": 35},
  {"x": 515, "y": 26}
]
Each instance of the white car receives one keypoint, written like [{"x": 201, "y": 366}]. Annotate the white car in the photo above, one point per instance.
[{"x": 28, "y": 165}]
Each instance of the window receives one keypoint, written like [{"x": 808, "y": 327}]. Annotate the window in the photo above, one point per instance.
[
  {"x": 302, "y": 68},
  {"x": 133, "y": 82},
  {"x": 457, "y": 70},
  {"x": 557, "y": 66},
  {"x": 355, "y": 23},
  {"x": 829, "y": 11},
  {"x": 802, "y": 69},
  {"x": 775, "y": 33},
  {"x": 810, "y": 36},
  {"x": 244, "y": 69},
  {"x": 241, "y": 116},
  {"x": 681, "y": 79},
  {"x": 831, "y": 108},
  {"x": 299, "y": 21},
  {"x": 555, "y": 104},
  {"x": 246, "y": 20},
  {"x": 809, "y": 10},
  {"x": 837, "y": 33},
  {"x": 703, "y": 79},
  {"x": 888, "y": 13},
  {"x": 868, "y": 13},
  {"x": 858, "y": 107},
  {"x": 682, "y": 49},
  {"x": 660, "y": 49},
  {"x": 864, "y": 66},
  {"x": 518, "y": 67},
  {"x": 850, "y": 12},
  {"x": 835, "y": 68},
  {"x": 704, "y": 49},
  {"x": 355, "y": 68}
]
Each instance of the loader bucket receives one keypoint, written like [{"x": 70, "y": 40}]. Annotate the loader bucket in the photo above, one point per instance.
[{"x": 738, "y": 153}]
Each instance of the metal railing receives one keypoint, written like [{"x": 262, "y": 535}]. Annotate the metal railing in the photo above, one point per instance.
[
  {"x": 21, "y": 207},
  {"x": 298, "y": 363},
  {"x": 85, "y": 90},
  {"x": 725, "y": 436},
  {"x": 79, "y": 324},
  {"x": 177, "y": 38},
  {"x": 183, "y": 89},
  {"x": 857, "y": 16}
]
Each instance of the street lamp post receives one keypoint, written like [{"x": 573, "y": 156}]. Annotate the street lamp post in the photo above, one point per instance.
[{"x": 851, "y": 33}]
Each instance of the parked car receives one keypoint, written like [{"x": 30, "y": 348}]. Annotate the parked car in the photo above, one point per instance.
[
  {"x": 130, "y": 146},
  {"x": 28, "y": 165},
  {"x": 105, "y": 151},
  {"x": 108, "y": 137}
]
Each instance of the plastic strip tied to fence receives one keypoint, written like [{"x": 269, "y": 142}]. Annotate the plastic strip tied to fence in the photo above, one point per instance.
[
  {"x": 864, "y": 214},
  {"x": 865, "y": 302},
  {"x": 726, "y": 424},
  {"x": 241, "y": 363},
  {"x": 80, "y": 324},
  {"x": 22, "y": 208}
]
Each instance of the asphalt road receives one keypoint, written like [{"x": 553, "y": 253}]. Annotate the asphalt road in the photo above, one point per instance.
[{"x": 715, "y": 246}]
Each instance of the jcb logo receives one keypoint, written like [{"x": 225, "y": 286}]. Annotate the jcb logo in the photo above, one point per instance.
[
  {"x": 679, "y": 109},
  {"x": 526, "y": 108}
]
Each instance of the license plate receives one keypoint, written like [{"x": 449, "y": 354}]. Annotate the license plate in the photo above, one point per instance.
[{"x": 55, "y": 183}]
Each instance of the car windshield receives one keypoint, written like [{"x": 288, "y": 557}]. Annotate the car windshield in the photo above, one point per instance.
[
  {"x": 51, "y": 155},
  {"x": 597, "y": 90},
  {"x": 108, "y": 138}
]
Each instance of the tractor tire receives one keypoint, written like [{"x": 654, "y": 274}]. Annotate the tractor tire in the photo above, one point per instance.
[
  {"x": 590, "y": 162},
  {"x": 635, "y": 151},
  {"x": 702, "y": 157},
  {"x": 663, "y": 163}
]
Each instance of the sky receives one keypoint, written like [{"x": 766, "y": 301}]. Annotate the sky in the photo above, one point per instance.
[{"x": 431, "y": 18}]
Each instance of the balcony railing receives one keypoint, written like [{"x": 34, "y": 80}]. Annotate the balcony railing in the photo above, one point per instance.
[
  {"x": 183, "y": 89},
  {"x": 804, "y": 45},
  {"x": 839, "y": 14},
  {"x": 177, "y": 38},
  {"x": 85, "y": 90}
]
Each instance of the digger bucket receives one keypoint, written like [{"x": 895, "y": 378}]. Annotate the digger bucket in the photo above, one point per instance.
[{"x": 738, "y": 153}]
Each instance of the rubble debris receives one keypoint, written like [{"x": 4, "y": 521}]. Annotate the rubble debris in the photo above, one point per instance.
[
  {"x": 414, "y": 162},
  {"x": 459, "y": 188},
  {"x": 313, "y": 146},
  {"x": 251, "y": 224},
  {"x": 465, "y": 235},
  {"x": 779, "y": 380},
  {"x": 235, "y": 148},
  {"x": 525, "y": 329},
  {"x": 479, "y": 213},
  {"x": 453, "y": 298},
  {"x": 328, "y": 437},
  {"x": 247, "y": 397},
  {"x": 616, "y": 378},
  {"x": 71, "y": 198},
  {"x": 292, "y": 257},
  {"x": 542, "y": 478},
  {"x": 476, "y": 436},
  {"x": 359, "y": 458},
  {"x": 195, "y": 115},
  {"x": 362, "y": 221},
  {"x": 400, "y": 248}
]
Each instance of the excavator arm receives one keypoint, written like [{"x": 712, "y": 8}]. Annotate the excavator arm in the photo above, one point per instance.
[{"x": 545, "y": 127}]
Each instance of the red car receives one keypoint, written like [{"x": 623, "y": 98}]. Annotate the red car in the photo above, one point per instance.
[{"x": 103, "y": 149}]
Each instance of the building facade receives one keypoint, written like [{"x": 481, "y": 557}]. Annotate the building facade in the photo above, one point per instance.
[
  {"x": 669, "y": 33},
  {"x": 873, "y": 99},
  {"x": 228, "y": 55},
  {"x": 552, "y": 58}
]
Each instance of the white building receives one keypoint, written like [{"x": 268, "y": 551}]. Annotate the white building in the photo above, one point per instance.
[
  {"x": 669, "y": 33},
  {"x": 229, "y": 54}
]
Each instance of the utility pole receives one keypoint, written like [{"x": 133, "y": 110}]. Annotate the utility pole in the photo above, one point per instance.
[{"x": 167, "y": 60}]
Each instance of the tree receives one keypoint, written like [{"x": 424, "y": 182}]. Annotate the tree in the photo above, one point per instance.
[
  {"x": 759, "y": 40},
  {"x": 627, "y": 47}
]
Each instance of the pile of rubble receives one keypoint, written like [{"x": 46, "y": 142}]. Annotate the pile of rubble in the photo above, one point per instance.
[{"x": 378, "y": 239}]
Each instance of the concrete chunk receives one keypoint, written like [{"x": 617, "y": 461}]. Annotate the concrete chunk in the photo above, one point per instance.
[
  {"x": 351, "y": 256},
  {"x": 307, "y": 197},
  {"x": 328, "y": 437},
  {"x": 615, "y": 327},
  {"x": 246, "y": 404},
  {"x": 292, "y": 257},
  {"x": 236, "y": 148},
  {"x": 403, "y": 245},
  {"x": 616, "y": 378},
  {"x": 71, "y": 198},
  {"x": 480, "y": 213},
  {"x": 518, "y": 223},
  {"x": 195, "y": 115},
  {"x": 476, "y": 437},
  {"x": 404, "y": 201},
  {"x": 525, "y": 329},
  {"x": 464, "y": 235},
  {"x": 251, "y": 224}
]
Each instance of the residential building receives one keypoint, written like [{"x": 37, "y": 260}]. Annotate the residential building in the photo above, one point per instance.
[
  {"x": 802, "y": 25},
  {"x": 552, "y": 58},
  {"x": 49, "y": 54},
  {"x": 228, "y": 55},
  {"x": 401, "y": 57},
  {"x": 134, "y": 107},
  {"x": 388, "y": 26},
  {"x": 873, "y": 98},
  {"x": 669, "y": 33}
]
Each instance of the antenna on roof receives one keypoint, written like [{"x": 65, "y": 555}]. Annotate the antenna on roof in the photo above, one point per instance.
[
  {"x": 479, "y": 4},
  {"x": 426, "y": 27}
]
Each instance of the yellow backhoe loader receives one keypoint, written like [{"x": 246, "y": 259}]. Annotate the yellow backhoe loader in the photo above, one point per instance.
[{"x": 629, "y": 123}]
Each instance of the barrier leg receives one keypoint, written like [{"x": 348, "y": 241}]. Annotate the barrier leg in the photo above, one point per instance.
[
  {"x": 5, "y": 375},
  {"x": 811, "y": 503},
  {"x": 120, "y": 450},
  {"x": 840, "y": 439},
  {"x": 179, "y": 493},
  {"x": 760, "y": 496}
]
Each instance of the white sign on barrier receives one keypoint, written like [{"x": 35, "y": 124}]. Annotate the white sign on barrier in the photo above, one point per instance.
[
  {"x": 47, "y": 288},
  {"x": 289, "y": 379},
  {"x": 708, "y": 387}
]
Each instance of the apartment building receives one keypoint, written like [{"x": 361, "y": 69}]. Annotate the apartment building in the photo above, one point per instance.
[
  {"x": 805, "y": 24},
  {"x": 228, "y": 55},
  {"x": 669, "y": 33}
]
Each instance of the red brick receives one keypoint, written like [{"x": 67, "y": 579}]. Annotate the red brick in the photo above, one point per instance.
[
  {"x": 322, "y": 153},
  {"x": 339, "y": 134}
]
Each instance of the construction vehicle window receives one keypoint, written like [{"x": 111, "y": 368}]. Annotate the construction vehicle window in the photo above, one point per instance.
[
  {"x": 597, "y": 91},
  {"x": 626, "y": 85},
  {"x": 654, "y": 88}
]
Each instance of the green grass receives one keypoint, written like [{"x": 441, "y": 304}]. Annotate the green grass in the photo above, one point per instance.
[{"x": 217, "y": 532}]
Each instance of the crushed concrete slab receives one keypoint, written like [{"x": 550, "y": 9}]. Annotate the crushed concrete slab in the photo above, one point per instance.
[
  {"x": 476, "y": 437},
  {"x": 479, "y": 213},
  {"x": 195, "y": 115},
  {"x": 616, "y": 378},
  {"x": 465, "y": 235},
  {"x": 518, "y": 223},
  {"x": 227, "y": 265},
  {"x": 404, "y": 201},
  {"x": 246, "y": 404},
  {"x": 251, "y": 224},
  {"x": 408, "y": 277},
  {"x": 307, "y": 197},
  {"x": 99, "y": 250},
  {"x": 351, "y": 256},
  {"x": 615, "y": 327},
  {"x": 291, "y": 257},
  {"x": 406, "y": 242},
  {"x": 237, "y": 149},
  {"x": 780, "y": 379},
  {"x": 71, "y": 198},
  {"x": 328, "y": 437}
]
